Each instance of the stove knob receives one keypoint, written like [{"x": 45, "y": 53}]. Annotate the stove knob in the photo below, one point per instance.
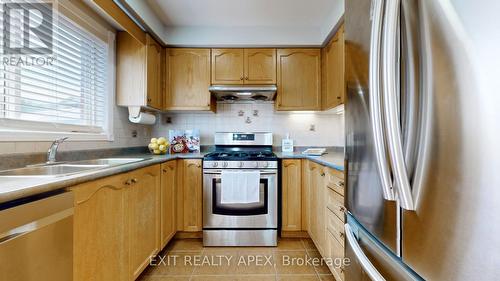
[
  {"x": 224, "y": 164},
  {"x": 240, "y": 164},
  {"x": 215, "y": 164},
  {"x": 265, "y": 164},
  {"x": 255, "y": 164}
]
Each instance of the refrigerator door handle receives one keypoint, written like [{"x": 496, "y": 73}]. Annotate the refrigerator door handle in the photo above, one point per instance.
[
  {"x": 393, "y": 126},
  {"x": 375, "y": 101},
  {"x": 363, "y": 260}
]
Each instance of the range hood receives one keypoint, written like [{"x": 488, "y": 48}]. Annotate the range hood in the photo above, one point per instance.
[{"x": 233, "y": 93}]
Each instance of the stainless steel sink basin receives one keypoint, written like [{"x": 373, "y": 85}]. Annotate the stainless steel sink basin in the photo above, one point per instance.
[
  {"x": 50, "y": 170},
  {"x": 108, "y": 161},
  {"x": 68, "y": 168}
]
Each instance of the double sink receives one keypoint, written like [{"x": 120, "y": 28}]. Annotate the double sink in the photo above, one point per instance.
[{"x": 68, "y": 168}]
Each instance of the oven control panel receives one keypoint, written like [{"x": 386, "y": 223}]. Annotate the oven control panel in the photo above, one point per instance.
[{"x": 240, "y": 164}]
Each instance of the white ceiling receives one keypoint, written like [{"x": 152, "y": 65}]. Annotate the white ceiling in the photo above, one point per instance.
[{"x": 240, "y": 22}]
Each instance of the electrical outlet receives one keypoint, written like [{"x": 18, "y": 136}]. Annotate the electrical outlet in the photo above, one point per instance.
[
  {"x": 134, "y": 133},
  {"x": 168, "y": 120},
  {"x": 312, "y": 128}
]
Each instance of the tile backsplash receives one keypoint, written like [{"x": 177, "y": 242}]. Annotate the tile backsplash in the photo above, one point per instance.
[{"x": 305, "y": 128}]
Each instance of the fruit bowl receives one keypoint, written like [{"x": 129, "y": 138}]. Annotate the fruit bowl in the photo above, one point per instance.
[{"x": 158, "y": 146}]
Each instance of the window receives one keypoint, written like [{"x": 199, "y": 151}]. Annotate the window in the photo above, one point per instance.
[{"x": 69, "y": 91}]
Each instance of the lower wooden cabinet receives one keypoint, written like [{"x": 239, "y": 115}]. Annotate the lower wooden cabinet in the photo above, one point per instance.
[
  {"x": 190, "y": 196},
  {"x": 116, "y": 225},
  {"x": 291, "y": 195},
  {"x": 144, "y": 217},
  {"x": 100, "y": 247},
  {"x": 317, "y": 225},
  {"x": 167, "y": 201}
]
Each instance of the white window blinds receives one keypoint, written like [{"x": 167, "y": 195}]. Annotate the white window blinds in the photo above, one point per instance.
[{"x": 66, "y": 89}]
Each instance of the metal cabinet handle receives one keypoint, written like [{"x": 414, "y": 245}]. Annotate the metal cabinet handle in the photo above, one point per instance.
[
  {"x": 128, "y": 182},
  {"x": 322, "y": 174},
  {"x": 246, "y": 78},
  {"x": 363, "y": 260},
  {"x": 241, "y": 78},
  {"x": 134, "y": 180},
  {"x": 375, "y": 102},
  {"x": 393, "y": 127}
]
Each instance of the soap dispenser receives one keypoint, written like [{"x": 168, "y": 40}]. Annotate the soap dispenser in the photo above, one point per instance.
[{"x": 287, "y": 144}]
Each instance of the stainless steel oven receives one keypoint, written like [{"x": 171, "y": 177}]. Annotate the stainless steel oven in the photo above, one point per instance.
[{"x": 240, "y": 224}]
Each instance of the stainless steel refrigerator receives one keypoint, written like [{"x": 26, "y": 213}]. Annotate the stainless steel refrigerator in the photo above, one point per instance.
[{"x": 422, "y": 139}]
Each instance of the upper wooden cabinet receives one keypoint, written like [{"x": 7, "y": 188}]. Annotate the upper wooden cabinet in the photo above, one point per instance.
[
  {"x": 299, "y": 79},
  {"x": 138, "y": 72},
  {"x": 243, "y": 66},
  {"x": 333, "y": 71},
  {"x": 187, "y": 79}
]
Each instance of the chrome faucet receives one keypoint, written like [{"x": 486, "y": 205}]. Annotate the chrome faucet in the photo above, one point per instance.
[{"x": 51, "y": 154}]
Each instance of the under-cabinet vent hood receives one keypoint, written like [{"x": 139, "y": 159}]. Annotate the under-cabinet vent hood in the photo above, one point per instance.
[{"x": 234, "y": 93}]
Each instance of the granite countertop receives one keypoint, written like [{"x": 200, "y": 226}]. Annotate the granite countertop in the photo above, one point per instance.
[
  {"x": 333, "y": 158},
  {"x": 13, "y": 188}
]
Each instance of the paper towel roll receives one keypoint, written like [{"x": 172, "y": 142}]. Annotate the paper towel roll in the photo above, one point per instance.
[{"x": 143, "y": 118}]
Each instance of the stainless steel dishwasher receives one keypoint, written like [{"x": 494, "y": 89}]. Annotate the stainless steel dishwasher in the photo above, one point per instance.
[{"x": 36, "y": 239}]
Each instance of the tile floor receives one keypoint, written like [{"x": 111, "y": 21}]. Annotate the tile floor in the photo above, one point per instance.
[{"x": 187, "y": 259}]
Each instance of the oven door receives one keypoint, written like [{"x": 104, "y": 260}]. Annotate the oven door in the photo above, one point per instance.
[{"x": 262, "y": 214}]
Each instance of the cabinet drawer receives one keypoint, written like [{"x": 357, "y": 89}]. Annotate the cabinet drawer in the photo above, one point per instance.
[
  {"x": 335, "y": 182},
  {"x": 335, "y": 202},
  {"x": 335, "y": 226},
  {"x": 336, "y": 253}
]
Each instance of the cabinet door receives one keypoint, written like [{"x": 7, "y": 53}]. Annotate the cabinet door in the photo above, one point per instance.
[
  {"x": 192, "y": 195},
  {"x": 317, "y": 223},
  {"x": 153, "y": 73},
  {"x": 333, "y": 72},
  {"x": 292, "y": 195},
  {"x": 260, "y": 66},
  {"x": 188, "y": 79},
  {"x": 299, "y": 79},
  {"x": 167, "y": 203},
  {"x": 144, "y": 217},
  {"x": 227, "y": 66},
  {"x": 100, "y": 230}
]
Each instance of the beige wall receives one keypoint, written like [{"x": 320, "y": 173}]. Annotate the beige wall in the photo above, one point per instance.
[
  {"x": 329, "y": 126},
  {"x": 122, "y": 129}
]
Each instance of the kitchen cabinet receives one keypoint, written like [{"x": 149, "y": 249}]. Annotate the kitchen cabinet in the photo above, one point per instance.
[
  {"x": 187, "y": 80},
  {"x": 144, "y": 221},
  {"x": 292, "y": 195},
  {"x": 100, "y": 245},
  {"x": 138, "y": 72},
  {"x": 333, "y": 71},
  {"x": 189, "y": 197},
  {"x": 167, "y": 202},
  {"x": 243, "y": 66},
  {"x": 298, "y": 79},
  {"x": 317, "y": 223}
]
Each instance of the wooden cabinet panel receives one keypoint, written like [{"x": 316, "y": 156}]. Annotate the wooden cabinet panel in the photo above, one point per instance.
[
  {"x": 260, "y": 66},
  {"x": 335, "y": 251},
  {"x": 167, "y": 202},
  {"x": 317, "y": 226},
  {"x": 191, "y": 213},
  {"x": 144, "y": 217},
  {"x": 227, "y": 66},
  {"x": 292, "y": 195},
  {"x": 153, "y": 73},
  {"x": 333, "y": 71},
  {"x": 188, "y": 79},
  {"x": 101, "y": 230},
  {"x": 335, "y": 202},
  {"x": 298, "y": 79}
]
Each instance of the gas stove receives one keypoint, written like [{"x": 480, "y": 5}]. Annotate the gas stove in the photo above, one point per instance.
[{"x": 242, "y": 151}]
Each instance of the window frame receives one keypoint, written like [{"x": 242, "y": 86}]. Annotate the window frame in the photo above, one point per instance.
[{"x": 12, "y": 130}]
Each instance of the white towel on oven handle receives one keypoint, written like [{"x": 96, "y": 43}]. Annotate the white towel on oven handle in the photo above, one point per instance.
[{"x": 240, "y": 187}]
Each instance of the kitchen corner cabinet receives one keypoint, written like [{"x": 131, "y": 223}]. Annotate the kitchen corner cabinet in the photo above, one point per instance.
[
  {"x": 167, "y": 201},
  {"x": 189, "y": 196},
  {"x": 243, "y": 66},
  {"x": 298, "y": 79},
  {"x": 292, "y": 195},
  {"x": 116, "y": 225},
  {"x": 144, "y": 217},
  {"x": 138, "y": 72},
  {"x": 187, "y": 80},
  {"x": 333, "y": 71}
]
